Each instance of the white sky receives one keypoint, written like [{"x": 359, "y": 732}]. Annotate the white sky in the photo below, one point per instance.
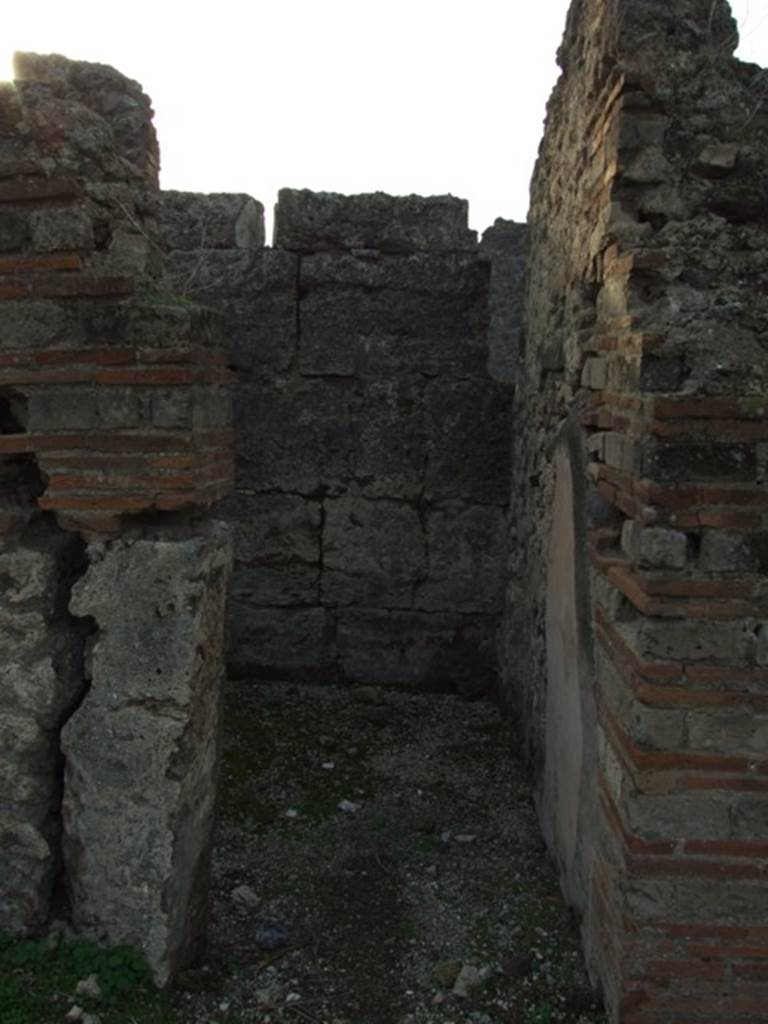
[{"x": 425, "y": 96}]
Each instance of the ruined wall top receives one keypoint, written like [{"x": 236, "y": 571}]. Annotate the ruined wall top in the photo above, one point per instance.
[
  {"x": 325, "y": 222},
  {"x": 84, "y": 119}
]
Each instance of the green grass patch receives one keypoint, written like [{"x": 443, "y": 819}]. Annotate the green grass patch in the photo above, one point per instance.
[{"x": 38, "y": 978}]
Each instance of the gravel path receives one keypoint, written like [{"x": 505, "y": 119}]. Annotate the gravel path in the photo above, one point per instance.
[{"x": 377, "y": 861}]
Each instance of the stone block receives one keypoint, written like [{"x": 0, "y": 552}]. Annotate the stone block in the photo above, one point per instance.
[
  {"x": 277, "y": 550},
  {"x": 14, "y": 230},
  {"x": 689, "y": 461},
  {"x": 201, "y": 222},
  {"x": 274, "y": 529},
  {"x": 255, "y": 294},
  {"x": 696, "y": 814},
  {"x": 271, "y": 586},
  {"x": 171, "y": 408},
  {"x": 297, "y": 436},
  {"x": 54, "y": 230},
  {"x": 654, "y": 547},
  {"x": 424, "y": 314},
  {"x": 749, "y": 816},
  {"x": 729, "y": 732},
  {"x": 37, "y": 325},
  {"x": 374, "y": 552},
  {"x": 695, "y": 640},
  {"x": 141, "y": 750},
  {"x": 466, "y": 560},
  {"x": 390, "y": 457},
  {"x": 417, "y": 650},
  {"x": 40, "y": 683},
  {"x": 280, "y": 643},
  {"x": 690, "y": 900},
  {"x": 730, "y": 551},
  {"x": 124, "y": 408},
  {"x": 63, "y": 409},
  {"x": 326, "y": 221},
  {"x": 506, "y": 245},
  {"x": 468, "y": 441}
]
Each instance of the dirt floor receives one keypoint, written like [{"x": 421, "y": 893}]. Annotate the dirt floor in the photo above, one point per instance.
[{"x": 377, "y": 861}]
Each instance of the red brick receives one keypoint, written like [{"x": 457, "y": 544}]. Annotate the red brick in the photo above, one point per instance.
[
  {"x": 96, "y": 502},
  {"x": 160, "y": 376},
  {"x": 10, "y": 290},
  {"x": 103, "y": 355},
  {"x": 115, "y": 481},
  {"x": 668, "y": 586},
  {"x": 724, "y": 430},
  {"x": 728, "y": 520},
  {"x": 674, "y": 969},
  {"x": 20, "y": 168},
  {"x": 176, "y": 500},
  {"x": 31, "y": 189},
  {"x": 753, "y": 972},
  {"x": 690, "y": 867},
  {"x": 15, "y": 444},
  {"x": 710, "y": 406},
  {"x": 110, "y": 442},
  {"x": 89, "y": 523},
  {"x": 682, "y": 697},
  {"x": 27, "y": 264},
  {"x": 746, "y": 784},
  {"x": 79, "y": 285},
  {"x": 728, "y": 847}
]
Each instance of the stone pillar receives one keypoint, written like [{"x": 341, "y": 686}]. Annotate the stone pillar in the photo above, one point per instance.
[
  {"x": 116, "y": 441},
  {"x": 141, "y": 752}
]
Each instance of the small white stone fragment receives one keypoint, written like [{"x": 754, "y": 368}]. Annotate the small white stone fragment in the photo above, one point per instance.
[
  {"x": 244, "y": 897},
  {"x": 349, "y": 806},
  {"x": 89, "y": 987},
  {"x": 293, "y": 997},
  {"x": 291, "y": 813},
  {"x": 328, "y": 765},
  {"x": 74, "y": 1013},
  {"x": 465, "y": 838}
]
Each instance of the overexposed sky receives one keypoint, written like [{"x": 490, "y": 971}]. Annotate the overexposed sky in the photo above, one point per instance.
[{"x": 425, "y": 96}]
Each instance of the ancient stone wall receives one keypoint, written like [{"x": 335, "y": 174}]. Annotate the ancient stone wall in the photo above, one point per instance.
[
  {"x": 115, "y": 439},
  {"x": 639, "y": 502},
  {"x": 372, "y": 440}
]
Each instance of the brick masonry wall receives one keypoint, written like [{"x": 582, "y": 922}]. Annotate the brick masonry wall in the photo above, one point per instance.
[
  {"x": 373, "y": 467},
  {"x": 645, "y": 369},
  {"x": 115, "y": 442}
]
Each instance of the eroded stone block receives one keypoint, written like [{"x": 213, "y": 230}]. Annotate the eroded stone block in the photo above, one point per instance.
[
  {"x": 40, "y": 683},
  {"x": 141, "y": 750},
  {"x": 374, "y": 552}
]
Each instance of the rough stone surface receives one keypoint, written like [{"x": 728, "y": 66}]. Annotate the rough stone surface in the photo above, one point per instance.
[
  {"x": 326, "y": 221},
  {"x": 141, "y": 751},
  {"x": 41, "y": 682},
  {"x": 371, "y": 437},
  {"x": 643, "y": 359},
  {"x": 202, "y": 222}
]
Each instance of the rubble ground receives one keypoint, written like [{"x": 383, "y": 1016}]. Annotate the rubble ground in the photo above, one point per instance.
[{"x": 377, "y": 860}]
